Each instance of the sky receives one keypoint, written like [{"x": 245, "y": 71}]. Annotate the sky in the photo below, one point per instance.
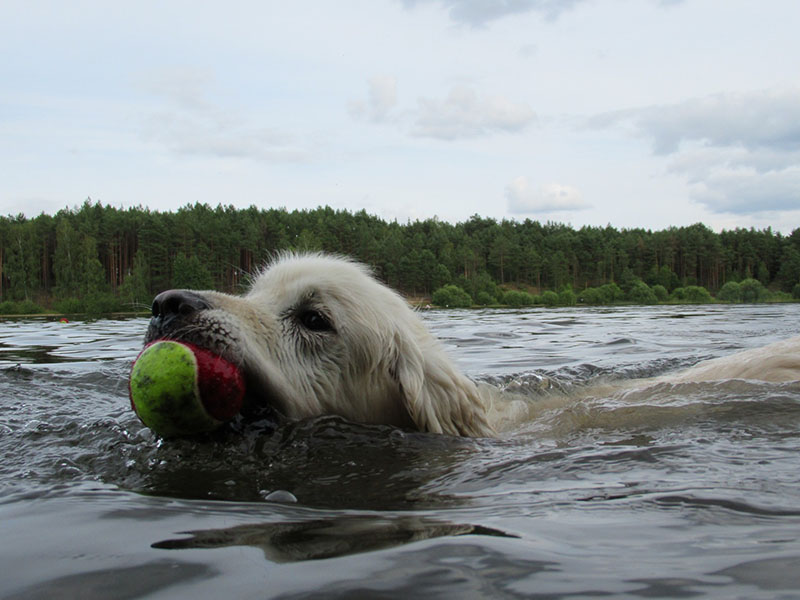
[{"x": 629, "y": 113}]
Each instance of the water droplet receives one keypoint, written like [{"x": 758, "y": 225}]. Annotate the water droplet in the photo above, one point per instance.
[{"x": 281, "y": 496}]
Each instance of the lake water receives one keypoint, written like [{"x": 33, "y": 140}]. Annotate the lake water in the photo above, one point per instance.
[{"x": 688, "y": 490}]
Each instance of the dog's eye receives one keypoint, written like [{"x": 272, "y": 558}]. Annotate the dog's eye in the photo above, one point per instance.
[{"x": 314, "y": 321}]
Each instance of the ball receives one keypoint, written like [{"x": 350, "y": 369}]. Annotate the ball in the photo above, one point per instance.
[{"x": 177, "y": 388}]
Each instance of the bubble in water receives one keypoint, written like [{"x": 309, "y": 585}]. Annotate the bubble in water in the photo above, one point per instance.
[{"x": 279, "y": 496}]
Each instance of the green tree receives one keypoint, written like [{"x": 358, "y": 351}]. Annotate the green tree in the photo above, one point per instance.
[
  {"x": 590, "y": 295},
  {"x": 611, "y": 293},
  {"x": 518, "y": 298},
  {"x": 67, "y": 260},
  {"x": 15, "y": 277},
  {"x": 730, "y": 292},
  {"x": 441, "y": 276},
  {"x": 567, "y": 297},
  {"x": 661, "y": 293},
  {"x": 752, "y": 290},
  {"x": 692, "y": 294},
  {"x": 190, "y": 274},
  {"x": 663, "y": 276},
  {"x": 550, "y": 298},
  {"x": 640, "y": 293},
  {"x": 93, "y": 277},
  {"x": 133, "y": 292},
  {"x": 484, "y": 299},
  {"x": 451, "y": 296},
  {"x": 47, "y": 257},
  {"x": 789, "y": 271}
]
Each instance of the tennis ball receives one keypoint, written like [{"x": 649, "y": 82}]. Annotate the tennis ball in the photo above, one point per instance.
[{"x": 178, "y": 388}]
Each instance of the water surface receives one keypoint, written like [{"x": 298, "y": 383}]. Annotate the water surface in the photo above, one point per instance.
[{"x": 684, "y": 490}]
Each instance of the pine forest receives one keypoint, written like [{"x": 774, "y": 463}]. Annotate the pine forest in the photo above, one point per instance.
[{"x": 96, "y": 258}]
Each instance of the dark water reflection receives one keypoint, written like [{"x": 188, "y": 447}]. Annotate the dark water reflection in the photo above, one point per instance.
[
  {"x": 326, "y": 538},
  {"x": 672, "y": 491}
]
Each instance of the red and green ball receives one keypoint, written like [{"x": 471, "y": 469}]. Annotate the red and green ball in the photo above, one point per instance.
[{"x": 177, "y": 388}]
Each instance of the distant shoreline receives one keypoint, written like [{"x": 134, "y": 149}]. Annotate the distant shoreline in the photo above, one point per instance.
[{"x": 422, "y": 306}]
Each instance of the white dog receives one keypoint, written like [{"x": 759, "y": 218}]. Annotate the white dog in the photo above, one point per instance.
[{"x": 319, "y": 335}]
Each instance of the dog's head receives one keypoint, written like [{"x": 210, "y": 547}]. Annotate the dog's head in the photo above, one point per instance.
[{"x": 317, "y": 335}]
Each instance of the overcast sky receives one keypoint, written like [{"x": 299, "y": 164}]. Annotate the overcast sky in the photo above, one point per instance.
[{"x": 634, "y": 113}]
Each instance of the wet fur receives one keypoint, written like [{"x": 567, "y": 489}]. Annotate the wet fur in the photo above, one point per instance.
[{"x": 376, "y": 362}]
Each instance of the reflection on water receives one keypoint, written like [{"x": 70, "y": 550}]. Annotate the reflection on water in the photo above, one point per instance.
[
  {"x": 675, "y": 490},
  {"x": 48, "y": 340},
  {"x": 119, "y": 583},
  {"x": 326, "y": 538}
]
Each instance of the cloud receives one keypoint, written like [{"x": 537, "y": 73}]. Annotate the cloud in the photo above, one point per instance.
[
  {"x": 186, "y": 88},
  {"x": 745, "y": 191},
  {"x": 554, "y": 197},
  {"x": 465, "y": 114},
  {"x": 740, "y": 181},
  {"x": 217, "y": 134},
  {"x": 738, "y": 152},
  {"x": 382, "y": 98},
  {"x": 763, "y": 119},
  {"x": 478, "y": 13},
  {"x": 192, "y": 125}
]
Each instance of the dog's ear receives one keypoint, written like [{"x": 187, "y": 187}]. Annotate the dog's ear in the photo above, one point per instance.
[{"x": 438, "y": 397}]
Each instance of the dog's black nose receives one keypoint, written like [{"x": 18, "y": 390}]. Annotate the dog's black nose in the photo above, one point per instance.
[{"x": 173, "y": 303}]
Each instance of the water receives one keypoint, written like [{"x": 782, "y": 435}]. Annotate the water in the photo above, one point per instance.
[{"x": 684, "y": 490}]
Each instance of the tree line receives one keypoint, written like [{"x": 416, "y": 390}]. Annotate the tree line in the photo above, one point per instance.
[{"x": 99, "y": 258}]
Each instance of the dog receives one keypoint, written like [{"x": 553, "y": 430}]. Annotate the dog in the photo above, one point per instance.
[{"x": 320, "y": 335}]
